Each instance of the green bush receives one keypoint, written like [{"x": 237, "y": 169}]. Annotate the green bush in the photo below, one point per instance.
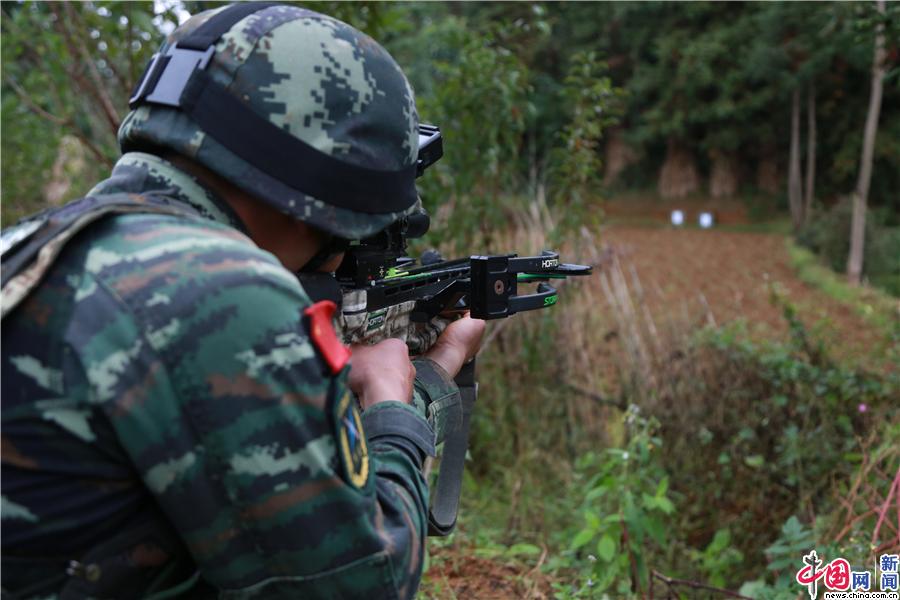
[
  {"x": 850, "y": 527},
  {"x": 752, "y": 435},
  {"x": 626, "y": 511},
  {"x": 758, "y": 432},
  {"x": 828, "y": 235}
]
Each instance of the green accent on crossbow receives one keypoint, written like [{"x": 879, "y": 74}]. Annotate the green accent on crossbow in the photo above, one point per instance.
[
  {"x": 550, "y": 300},
  {"x": 530, "y": 277},
  {"x": 396, "y": 276},
  {"x": 403, "y": 276}
]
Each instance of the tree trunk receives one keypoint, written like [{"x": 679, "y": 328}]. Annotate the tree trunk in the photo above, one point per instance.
[
  {"x": 810, "y": 153},
  {"x": 533, "y": 168},
  {"x": 678, "y": 177},
  {"x": 861, "y": 194},
  {"x": 795, "y": 185},
  {"x": 767, "y": 177},
  {"x": 723, "y": 179},
  {"x": 618, "y": 156}
]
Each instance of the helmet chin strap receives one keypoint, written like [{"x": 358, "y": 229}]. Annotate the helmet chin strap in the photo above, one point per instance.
[{"x": 332, "y": 247}]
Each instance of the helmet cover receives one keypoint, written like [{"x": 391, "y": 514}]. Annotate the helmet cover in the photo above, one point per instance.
[{"x": 317, "y": 78}]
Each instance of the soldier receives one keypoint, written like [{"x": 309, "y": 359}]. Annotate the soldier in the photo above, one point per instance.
[{"x": 177, "y": 412}]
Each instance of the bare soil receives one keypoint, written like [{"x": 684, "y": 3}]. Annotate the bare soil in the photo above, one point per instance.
[
  {"x": 730, "y": 275},
  {"x": 457, "y": 573}
]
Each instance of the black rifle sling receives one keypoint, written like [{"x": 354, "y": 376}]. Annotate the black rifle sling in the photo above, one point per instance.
[{"x": 445, "y": 498}]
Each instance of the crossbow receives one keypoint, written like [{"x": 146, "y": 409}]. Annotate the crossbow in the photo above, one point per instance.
[
  {"x": 386, "y": 293},
  {"x": 381, "y": 284}
]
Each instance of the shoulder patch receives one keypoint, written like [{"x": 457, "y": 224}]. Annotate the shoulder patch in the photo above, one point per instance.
[
  {"x": 352, "y": 447},
  {"x": 321, "y": 332}
]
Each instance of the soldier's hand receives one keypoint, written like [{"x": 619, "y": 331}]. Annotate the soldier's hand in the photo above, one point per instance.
[
  {"x": 458, "y": 344},
  {"x": 381, "y": 372}
]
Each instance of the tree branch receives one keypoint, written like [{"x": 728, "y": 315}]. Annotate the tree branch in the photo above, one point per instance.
[
  {"x": 58, "y": 121},
  {"x": 78, "y": 21},
  {"x": 32, "y": 105},
  {"x": 895, "y": 485},
  {"x": 78, "y": 49},
  {"x": 672, "y": 582}
]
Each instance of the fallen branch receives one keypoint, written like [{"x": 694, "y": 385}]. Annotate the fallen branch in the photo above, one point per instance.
[
  {"x": 620, "y": 404},
  {"x": 671, "y": 582}
]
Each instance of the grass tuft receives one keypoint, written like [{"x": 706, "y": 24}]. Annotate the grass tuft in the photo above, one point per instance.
[{"x": 872, "y": 305}]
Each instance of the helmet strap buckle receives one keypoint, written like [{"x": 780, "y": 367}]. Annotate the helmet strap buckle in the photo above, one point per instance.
[{"x": 168, "y": 74}]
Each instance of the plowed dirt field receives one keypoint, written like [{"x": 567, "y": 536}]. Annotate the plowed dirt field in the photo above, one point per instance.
[{"x": 731, "y": 273}]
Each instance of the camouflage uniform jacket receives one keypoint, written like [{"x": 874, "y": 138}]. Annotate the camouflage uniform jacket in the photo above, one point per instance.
[{"x": 162, "y": 379}]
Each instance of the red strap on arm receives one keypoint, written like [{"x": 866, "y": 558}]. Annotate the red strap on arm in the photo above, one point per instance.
[{"x": 321, "y": 331}]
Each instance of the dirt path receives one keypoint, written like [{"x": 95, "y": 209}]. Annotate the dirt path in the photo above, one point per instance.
[{"x": 731, "y": 272}]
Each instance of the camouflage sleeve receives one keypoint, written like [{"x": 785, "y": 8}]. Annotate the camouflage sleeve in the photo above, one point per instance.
[
  {"x": 436, "y": 397},
  {"x": 251, "y": 448}
]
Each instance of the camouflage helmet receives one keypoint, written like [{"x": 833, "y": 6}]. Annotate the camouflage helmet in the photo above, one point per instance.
[{"x": 300, "y": 110}]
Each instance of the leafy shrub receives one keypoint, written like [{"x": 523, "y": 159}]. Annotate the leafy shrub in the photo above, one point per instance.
[
  {"x": 828, "y": 235},
  {"x": 754, "y": 433},
  {"x": 576, "y": 173},
  {"x": 758, "y": 432},
  {"x": 852, "y": 528},
  {"x": 626, "y": 511},
  {"x": 794, "y": 541},
  {"x": 476, "y": 90}
]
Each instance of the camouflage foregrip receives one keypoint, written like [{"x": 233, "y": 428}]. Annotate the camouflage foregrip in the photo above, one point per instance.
[{"x": 358, "y": 326}]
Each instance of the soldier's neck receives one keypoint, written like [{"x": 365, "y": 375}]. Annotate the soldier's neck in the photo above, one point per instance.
[{"x": 293, "y": 242}]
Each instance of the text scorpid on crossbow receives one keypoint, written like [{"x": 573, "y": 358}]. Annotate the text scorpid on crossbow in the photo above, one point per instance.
[{"x": 386, "y": 293}]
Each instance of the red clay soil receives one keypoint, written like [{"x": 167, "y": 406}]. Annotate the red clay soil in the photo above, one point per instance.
[
  {"x": 686, "y": 269},
  {"x": 456, "y": 573}
]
